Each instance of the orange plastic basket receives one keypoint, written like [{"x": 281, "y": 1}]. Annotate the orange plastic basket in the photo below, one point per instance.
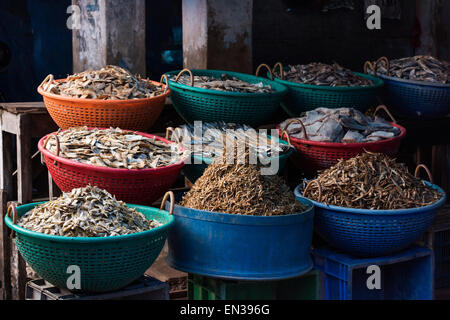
[{"x": 133, "y": 114}]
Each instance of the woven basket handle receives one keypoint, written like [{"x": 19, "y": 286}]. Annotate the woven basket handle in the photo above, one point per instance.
[
  {"x": 12, "y": 212},
  {"x": 169, "y": 132},
  {"x": 368, "y": 66},
  {"x": 319, "y": 187},
  {"x": 57, "y": 145},
  {"x": 166, "y": 86},
  {"x": 48, "y": 79},
  {"x": 183, "y": 71},
  {"x": 172, "y": 201},
  {"x": 263, "y": 65},
  {"x": 298, "y": 121},
  {"x": 385, "y": 109},
  {"x": 386, "y": 61},
  {"x": 280, "y": 66},
  {"x": 416, "y": 173},
  {"x": 284, "y": 133}
]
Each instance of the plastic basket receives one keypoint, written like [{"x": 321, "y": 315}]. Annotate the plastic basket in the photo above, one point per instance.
[
  {"x": 253, "y": 109},
  {"x": 413, "y": 99},
  {"x": 140, "y": 186},
  {"x": 132, "y": 114},
  {"x": 312, "y": 156},
  {"x": 106, "y": 263},
  {"x": 363, "y": 232},
  {"x": 305, "y": 97}
]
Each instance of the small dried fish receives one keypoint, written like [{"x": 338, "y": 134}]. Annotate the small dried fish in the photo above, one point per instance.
[
  {"x": 225, "y": 83},
  {"x": 114, "y": 148},
  {"x": 86, "y": 212},
  {"x": 109, "y": 83},
  {"x": 372, "y": 181},
  {"x": 208, "y": 139},
  {"x": 346, "y": 125},
  {"x": 418, "y": 68},
  {"x": 241, "y": 189},
  {"x": 322, "y": 74}
]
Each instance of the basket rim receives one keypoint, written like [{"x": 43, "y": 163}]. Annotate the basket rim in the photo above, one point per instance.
[
  {"x": 416, "y": 82},
  {"x": 279, "y": 88},
  {"x": 370, "y": 212},
  {"x": 91, "y": 167},
  {"x": 45, "y": 94},
  {"x": 91, "y": 240},
  {"x": 377, "y": 83},
  {"x": 344, "y": 145}
]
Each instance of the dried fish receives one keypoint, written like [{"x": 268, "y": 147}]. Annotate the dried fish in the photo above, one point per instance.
[
  {"x": 372, "y": 181},
  {"x": 208, "y": 139},
  {"x": 109, "y": 83},
  {"x": 241, "y": 189},
  {"x": 86, "y": 212},
  {"x": 322, "y": 74},
  {"x": 114, "y": 148},
  {"x": 346, "y": 125},
  {"x": 418, "y": 68},
  {"x": 224, "y": 83}
]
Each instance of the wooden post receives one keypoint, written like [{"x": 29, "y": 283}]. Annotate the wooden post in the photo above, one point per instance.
[
  {"x": 111, "y": 32},
  {"x": 217, "y": 34},
  {"x": 429, "y": 14},
  {"x": 5, "y": 257}
]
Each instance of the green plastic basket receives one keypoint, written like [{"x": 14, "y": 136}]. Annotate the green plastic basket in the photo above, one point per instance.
[
  {"x": 207, "y": 105},
  {"x": 106, "y": 263},
  {"x": 305, "y": 97}
]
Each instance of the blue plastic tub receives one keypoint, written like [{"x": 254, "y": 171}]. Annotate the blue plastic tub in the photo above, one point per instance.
[
  {"x": 367, "y": 233},
  {"x": 416, "y": 99},
  {"x": 241, "y": 247}
]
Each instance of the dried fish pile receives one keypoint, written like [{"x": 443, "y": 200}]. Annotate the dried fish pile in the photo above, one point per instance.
[
  {"x": 109, "y": 83},
  {"x": 241, "y": 189},
  {"x": 345, "y": 125},
  {"x": 114, "y": 148},
  {"x": 372, "y": 181},
  {"x": 208, "y": 139},
  {"x": 322, "y": 74},
  {"x": 224, "y": 83},
  {"x": 418, "y": 68},
  {"x": 86, "y": 212}
]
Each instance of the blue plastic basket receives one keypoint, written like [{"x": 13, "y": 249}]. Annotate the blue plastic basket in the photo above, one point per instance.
[
  {"x": 416, "y": 99},
  {"x": 364, "y": 232},
  {"x": 241, "y": 247}
]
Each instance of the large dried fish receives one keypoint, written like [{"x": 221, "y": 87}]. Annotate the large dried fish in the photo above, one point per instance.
[
  {"x": 86, "y": 212},
  {"x": 241, "y": 189},
  {"x": 224, "y": 83},
  {"x": 418, "y": 68},
  {"x": 346, "y": 125},
  {"x": 109, "y": 83},
  {"x": 208, "y": 139},
  {"x": 114, "y": 148},
  {"x": 372, "y": 181},
  {"x": 322, "y": 74}
]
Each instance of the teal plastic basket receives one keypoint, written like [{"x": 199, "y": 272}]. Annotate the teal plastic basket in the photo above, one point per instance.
[
  {"x": 305, "y": 97},
  {"x": 207, "y": 105},
  {"x": 106, "y": 263}
]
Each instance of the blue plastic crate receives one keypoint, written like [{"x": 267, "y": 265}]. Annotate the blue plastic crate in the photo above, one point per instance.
[{"x": 407, "y": 275}]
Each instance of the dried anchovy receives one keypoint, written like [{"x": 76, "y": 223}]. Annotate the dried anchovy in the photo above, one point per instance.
[
  {"x": 372, "y": 181},
  {"x": 322, "y": 74},
  {"x": 86, "y": 212},
  {"x": 419, "y": 68},
  {"x": 225, "y": 83},
  {"x": 109, "y": 83},
  {"x": 241, "y": 189},
  {"x": 115, "y": 148},
  {"x": 342, "y": 125},
  {"x": 214, "y": 135}
]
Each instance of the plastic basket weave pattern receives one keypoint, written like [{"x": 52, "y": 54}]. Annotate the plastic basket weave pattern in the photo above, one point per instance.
[
  {"x": 253, "y": 109},
  {"x": 304, "y": 97},
  {"x": 315, "y": 155},
  {"x": 134, "y": 114},
  {"x": 414, "y": 99},
  {"x": 140, "y": 186},
  {"x": 363, "y": 232},
  {"x": 106, "y": 263}
]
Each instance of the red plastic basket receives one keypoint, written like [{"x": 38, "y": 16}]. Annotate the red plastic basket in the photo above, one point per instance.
[
  {"x": 136, "y": 186},
  {"x": 315, "y": 155}
]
